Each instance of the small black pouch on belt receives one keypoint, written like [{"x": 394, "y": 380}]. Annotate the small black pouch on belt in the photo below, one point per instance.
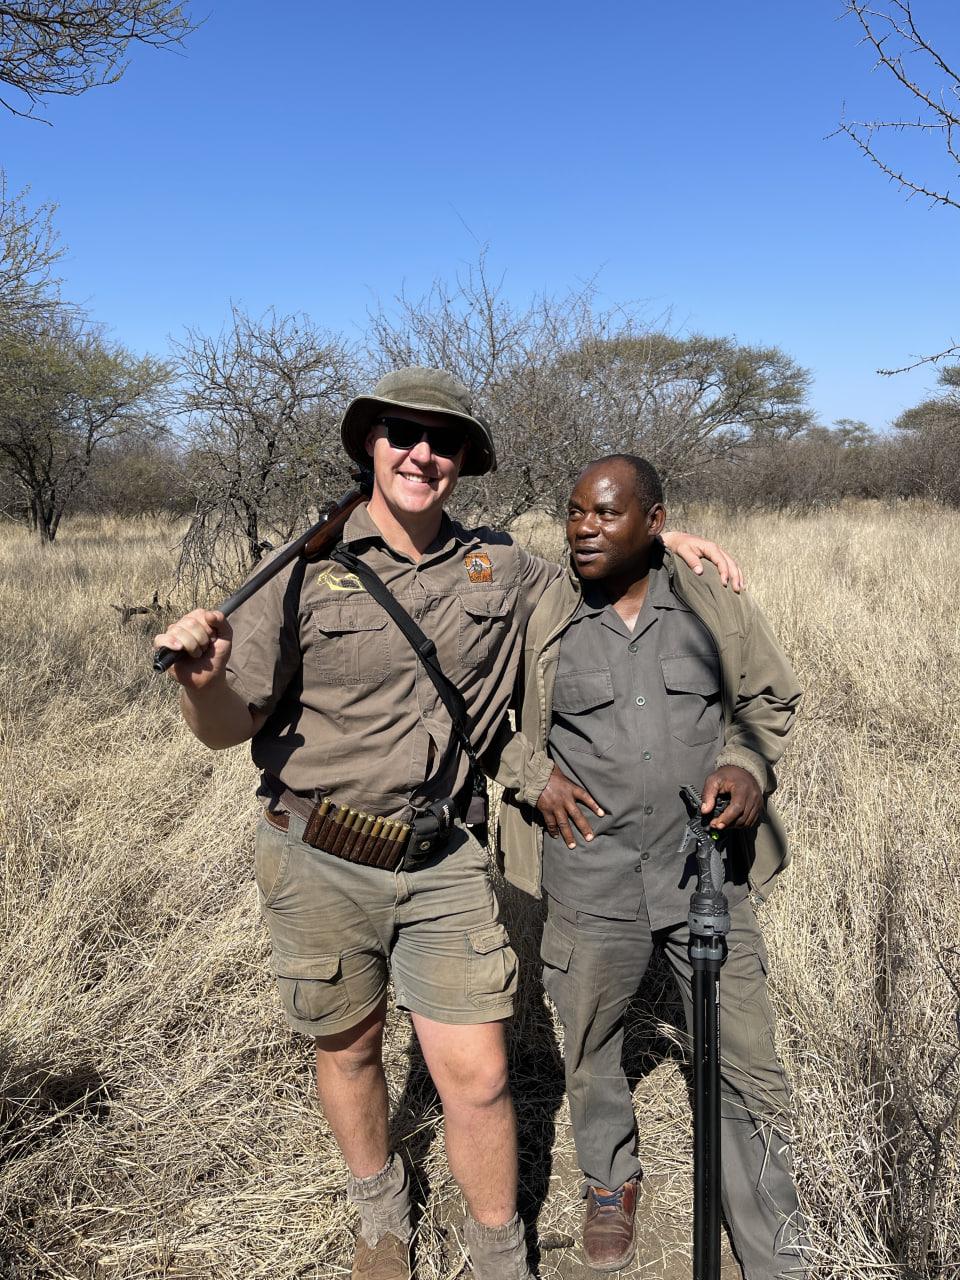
[
  {"x": 431, "y": 828},
  {"x": 477, "y": 814}
]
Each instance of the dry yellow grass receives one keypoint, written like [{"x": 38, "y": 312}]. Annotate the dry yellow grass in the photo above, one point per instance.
[{"x": 157, "y": 1119}]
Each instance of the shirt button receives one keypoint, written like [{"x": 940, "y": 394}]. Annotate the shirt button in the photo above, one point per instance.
[
  {"x": 638, "y": 867},
  {"x": 641, "y": 701},
  {"x": 648, "y": 808},
  {"x": 644, "y": 856},
  {"x": 633, "y": 646},
  {"x": 645, "y": 755}
]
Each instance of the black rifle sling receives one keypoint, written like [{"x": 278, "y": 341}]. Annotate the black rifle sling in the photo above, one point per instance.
[{"x": 425, "y": 649}]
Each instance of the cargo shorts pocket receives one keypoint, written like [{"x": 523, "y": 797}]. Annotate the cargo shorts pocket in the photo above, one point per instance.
[
  {"x": 555, "y": 949},
  {"x": 311, "y": 987},
  {"x": 556, "y": 952},
  {"x": 491, "y": 966}
]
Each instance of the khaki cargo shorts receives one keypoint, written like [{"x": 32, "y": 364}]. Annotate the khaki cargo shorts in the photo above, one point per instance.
[{"x": 335, "y": 927}]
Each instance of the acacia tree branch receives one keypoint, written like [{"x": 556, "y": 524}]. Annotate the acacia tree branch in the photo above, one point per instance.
[
  {"x": 943, "y": 117},
  {"x": 65, "y": 47},
  {"x": 950, "y": 353}
]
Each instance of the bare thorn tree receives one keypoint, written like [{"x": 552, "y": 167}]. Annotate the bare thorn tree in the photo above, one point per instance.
[
  {"x": 930, "y": 81},
  {"x": 64, "y": 47},
  {"x": 263, "y": 400},
  {"x": 510, "y": 358},
  {"x": 564, "y": 381}
]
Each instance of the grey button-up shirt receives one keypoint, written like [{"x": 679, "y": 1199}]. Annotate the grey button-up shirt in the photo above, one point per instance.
[{"x": 636, "y": 714}]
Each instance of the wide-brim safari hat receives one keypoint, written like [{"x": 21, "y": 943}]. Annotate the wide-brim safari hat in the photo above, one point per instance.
[{"x": 430, "y": 391}]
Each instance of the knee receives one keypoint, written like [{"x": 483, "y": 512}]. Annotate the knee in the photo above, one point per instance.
[
  {"x": 352, "y": 1050},
  {"x": 488, "y": 1083},
  {"x": 477, "y": 1084}
]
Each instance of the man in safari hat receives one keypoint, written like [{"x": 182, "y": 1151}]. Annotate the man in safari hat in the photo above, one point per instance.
[{"x": 344, "y": 719}]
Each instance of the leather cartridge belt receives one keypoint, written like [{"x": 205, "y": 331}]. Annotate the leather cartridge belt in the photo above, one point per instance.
[{"x": 363, "y": 838}]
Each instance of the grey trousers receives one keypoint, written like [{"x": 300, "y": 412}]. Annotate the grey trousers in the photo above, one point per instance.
[{"x": 592, "y": 968}]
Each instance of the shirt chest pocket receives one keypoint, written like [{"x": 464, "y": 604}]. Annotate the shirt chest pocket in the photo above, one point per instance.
[
  {"x": 483, "y": 619},
  {"x": 692, "y": 682},
  {"x": 351, "y": 643},
  {"x": 583, "y": 718}
]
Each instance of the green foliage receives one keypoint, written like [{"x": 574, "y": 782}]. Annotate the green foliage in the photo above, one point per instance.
[
  {"x": 28, "y": 252},
  {"x": 683, "y": 401},
  {"x": 64, "y": 391},
  {"x": 929, "y": 452}
]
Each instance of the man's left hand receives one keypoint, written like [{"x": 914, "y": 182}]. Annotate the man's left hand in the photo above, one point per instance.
[
  {"x": 693, "y": 550},
  {"x": 560, "y": 802},
  {"x": 745, "y": 796}
]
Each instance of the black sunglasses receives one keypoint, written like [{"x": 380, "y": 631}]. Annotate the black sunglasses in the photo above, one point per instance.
[{"x": 445, "y": 442}]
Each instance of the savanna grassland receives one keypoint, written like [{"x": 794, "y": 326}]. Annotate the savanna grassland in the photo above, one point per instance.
[{"x": 157, "y": 1118}]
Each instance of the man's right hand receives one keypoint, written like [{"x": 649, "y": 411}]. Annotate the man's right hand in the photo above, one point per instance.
[
  {"x": 202, "y": 640},
  {"x": 560, "y": 802},
  {"x": 215, "y": 713}
]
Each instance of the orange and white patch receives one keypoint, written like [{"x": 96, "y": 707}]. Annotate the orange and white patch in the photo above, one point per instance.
[{"x": 479, "y": 567}]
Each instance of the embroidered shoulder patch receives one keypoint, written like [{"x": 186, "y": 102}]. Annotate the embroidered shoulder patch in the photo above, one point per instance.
[
  {"x": 336, "y": 579},
  {"x": 478, "y": 566}
]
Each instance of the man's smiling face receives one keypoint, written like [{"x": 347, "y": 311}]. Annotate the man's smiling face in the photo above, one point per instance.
[{"x": 413, "y": 482}]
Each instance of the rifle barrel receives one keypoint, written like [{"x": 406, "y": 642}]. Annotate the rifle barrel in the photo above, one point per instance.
[{"x": 311, "y": 543}]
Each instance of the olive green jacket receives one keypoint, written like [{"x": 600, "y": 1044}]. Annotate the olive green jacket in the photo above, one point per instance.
[{"x": 759, "y": 691}]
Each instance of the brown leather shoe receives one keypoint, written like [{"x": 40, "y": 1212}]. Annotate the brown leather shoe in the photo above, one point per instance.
[
  {"x": 609, "y": 1227},
  {"x": 390, "y": 1260}
]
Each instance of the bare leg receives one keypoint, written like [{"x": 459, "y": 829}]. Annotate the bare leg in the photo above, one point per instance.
[
  {"x": 468, "y": 1065},
  {"x": 353, "y": 1092}
]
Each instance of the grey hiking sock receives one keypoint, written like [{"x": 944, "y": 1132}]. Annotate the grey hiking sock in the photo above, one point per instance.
[
  {"x": 497, "y": 1253},
  {"x": 383, "y": 1200}
]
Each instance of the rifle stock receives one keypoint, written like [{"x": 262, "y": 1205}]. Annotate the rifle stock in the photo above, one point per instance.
[{"x": 316, "y": 539}]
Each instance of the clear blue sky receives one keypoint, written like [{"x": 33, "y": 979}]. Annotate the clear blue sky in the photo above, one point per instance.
[{"x": 319, "y": 157}]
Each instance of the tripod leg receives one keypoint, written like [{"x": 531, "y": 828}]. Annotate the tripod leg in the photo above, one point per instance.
[
  {"x": 705, "y": 993},
  {"x": 699, "y": 994},
  {"x": 712, "y": 1126}
]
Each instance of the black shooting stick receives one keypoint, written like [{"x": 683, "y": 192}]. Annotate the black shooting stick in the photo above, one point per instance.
[
  {"x": 316, "y": 539},
  {"x": 709, "y": 922}
]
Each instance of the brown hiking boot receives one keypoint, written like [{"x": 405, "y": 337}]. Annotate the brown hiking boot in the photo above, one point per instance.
[
  {"x": 609, "y": 1227},
  {"x": 390, "y": 1260}
]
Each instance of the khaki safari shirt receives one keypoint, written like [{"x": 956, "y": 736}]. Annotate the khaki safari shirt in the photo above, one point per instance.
[{"x": 351, "y": 712}]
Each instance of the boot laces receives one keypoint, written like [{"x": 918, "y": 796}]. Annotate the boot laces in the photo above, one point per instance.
[{"x": 609, "y": 1201}]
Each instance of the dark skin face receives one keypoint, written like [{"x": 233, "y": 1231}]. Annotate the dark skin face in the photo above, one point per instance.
[{"x": 611, "y": 538}]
